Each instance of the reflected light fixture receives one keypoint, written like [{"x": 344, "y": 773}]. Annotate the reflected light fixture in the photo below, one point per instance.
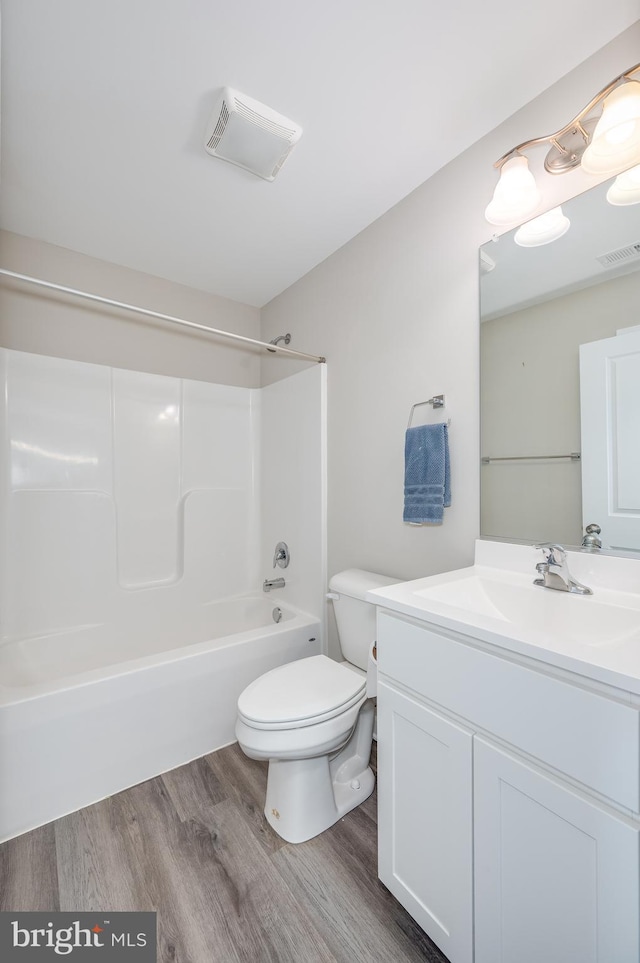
[
  {"x": 604, "y": 138},
  {"x": 626, "y": 188},
  {"x": 544, "y": 229}
]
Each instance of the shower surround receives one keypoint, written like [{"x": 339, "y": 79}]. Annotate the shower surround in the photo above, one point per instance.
[{"x": 139, "y": 515}]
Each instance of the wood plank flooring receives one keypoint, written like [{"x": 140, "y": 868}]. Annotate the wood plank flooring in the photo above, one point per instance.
[{"x": 194, "y": 846}]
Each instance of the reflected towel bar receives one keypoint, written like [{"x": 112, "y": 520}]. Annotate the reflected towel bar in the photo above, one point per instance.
[{"x": 574, "y": 456}]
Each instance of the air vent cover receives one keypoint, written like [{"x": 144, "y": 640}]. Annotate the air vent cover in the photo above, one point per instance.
[
  {"x": 249, "y": 134},
  {"x": 621, "y": 255}
]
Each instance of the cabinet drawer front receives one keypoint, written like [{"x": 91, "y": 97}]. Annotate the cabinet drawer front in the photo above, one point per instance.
[{"x": 587, "y": 736}]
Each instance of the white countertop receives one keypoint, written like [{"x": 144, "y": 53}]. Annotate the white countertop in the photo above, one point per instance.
[{"x": 596, "y": 636}]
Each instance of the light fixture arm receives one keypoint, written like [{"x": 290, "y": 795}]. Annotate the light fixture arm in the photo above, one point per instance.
[{"x": 573, "y": 125}]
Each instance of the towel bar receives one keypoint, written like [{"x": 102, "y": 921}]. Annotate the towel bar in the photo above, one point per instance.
[{"x": 437, "y": 402}]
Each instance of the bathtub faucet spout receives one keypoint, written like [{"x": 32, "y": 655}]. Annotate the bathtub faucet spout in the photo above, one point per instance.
[{"x": 270, "y": 583}]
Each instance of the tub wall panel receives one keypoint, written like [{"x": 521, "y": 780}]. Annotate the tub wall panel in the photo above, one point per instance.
[
  {"x": 146, "y": 461},
  {"x": 293, "y": 485},
  {"x": 219, "y": 543},
  {"x": 217, "y": 447},
  {"x": 126, "y": 496},
  {"x": 61, "y": 562},
  {"x": 58, "y": 416}
]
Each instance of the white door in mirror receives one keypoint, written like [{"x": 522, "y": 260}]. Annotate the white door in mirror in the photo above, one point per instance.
[{"x": 609, "y": 401}]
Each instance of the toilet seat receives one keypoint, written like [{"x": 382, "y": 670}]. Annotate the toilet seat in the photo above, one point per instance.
[{"x": 300, "y": 694}]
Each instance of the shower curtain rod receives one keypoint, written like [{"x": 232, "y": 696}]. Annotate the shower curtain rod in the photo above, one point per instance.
[{"x": 164, "y": 317}]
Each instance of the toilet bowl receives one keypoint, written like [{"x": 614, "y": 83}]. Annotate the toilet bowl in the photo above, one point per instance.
[{"x": 313, "y": 721}]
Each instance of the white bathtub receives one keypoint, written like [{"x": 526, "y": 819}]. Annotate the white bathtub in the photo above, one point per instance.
[{"x": 86, "y": 714}]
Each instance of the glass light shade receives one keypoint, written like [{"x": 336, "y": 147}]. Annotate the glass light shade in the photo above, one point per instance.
[
  {"x": 615, "y": 144},
  {"x": 516, "y": 195},
  {"x": 544, "y": 229},
  {"x": 626, "y": 188}
]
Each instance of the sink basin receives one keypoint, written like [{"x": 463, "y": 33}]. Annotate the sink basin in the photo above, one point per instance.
[{"x": 601, "y": 620}]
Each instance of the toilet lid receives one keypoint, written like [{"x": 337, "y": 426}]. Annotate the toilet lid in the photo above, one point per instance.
[{"x": 301, "y": 693}]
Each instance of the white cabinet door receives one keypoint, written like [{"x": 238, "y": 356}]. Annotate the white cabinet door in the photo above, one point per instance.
[
  {"x": 556, "y": 876},
  {"x": 425, "y": 819},
  {"x": 609, "y": 402}
]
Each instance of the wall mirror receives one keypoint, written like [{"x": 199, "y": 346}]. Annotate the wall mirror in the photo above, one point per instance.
[{"x": 560, "y": 380}]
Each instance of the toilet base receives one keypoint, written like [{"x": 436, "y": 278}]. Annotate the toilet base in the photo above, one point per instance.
[{"x": 307, "y": 796}]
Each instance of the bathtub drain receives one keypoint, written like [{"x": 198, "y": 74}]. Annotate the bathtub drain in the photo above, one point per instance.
[{"x": 277, "y": 614}]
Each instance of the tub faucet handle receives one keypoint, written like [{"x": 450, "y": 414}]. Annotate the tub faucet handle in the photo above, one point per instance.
[{"x": 281, "y": 555}]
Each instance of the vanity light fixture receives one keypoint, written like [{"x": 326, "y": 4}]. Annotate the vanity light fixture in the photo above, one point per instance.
[
  {"x": 543, "y": 229},
  {"x": 605, "y": 144}
]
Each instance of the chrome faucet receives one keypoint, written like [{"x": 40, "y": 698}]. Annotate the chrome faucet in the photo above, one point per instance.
[
  {"x": 555, "y": 571},
  {"x": 271, "y": 583}
]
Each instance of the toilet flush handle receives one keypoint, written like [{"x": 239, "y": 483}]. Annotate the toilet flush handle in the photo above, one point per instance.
[{"x": 332, "y": 596}]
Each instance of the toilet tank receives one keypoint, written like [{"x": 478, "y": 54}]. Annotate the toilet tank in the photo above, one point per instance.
[{"x": 355, "y": 617}]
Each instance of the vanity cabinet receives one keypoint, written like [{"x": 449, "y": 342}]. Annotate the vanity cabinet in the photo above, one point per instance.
[{"x": 509, "y": 797}]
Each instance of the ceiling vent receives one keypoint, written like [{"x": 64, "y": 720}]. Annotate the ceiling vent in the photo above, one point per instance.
[
  {"x": 620, "y": 256},
  {"x": 249, "y": 134}
]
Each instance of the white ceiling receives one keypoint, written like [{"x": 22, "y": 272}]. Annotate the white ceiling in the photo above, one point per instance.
[{"x": 105, "y": 103}]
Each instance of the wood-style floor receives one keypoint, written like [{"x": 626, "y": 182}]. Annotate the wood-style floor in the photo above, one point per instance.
[{"x": 194, "y": 846}]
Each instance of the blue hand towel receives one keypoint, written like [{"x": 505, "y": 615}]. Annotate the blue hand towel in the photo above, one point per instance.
[{"x": 427, "y": 478}]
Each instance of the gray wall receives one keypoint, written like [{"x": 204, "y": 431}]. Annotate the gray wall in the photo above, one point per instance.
[
  {"x": 395, "y": 311},
  {"x": 36, "y": 320},
  {"x": 531, "y": 357}
]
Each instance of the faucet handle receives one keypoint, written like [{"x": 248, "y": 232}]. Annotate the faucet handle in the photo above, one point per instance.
[
  {"x": 591, "y": 540},
  {"x": 555, "y": 554},
  {"x": 281, "y": 555}
]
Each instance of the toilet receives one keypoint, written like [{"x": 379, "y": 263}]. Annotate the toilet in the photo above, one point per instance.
[{"x": 313, "y": 721}]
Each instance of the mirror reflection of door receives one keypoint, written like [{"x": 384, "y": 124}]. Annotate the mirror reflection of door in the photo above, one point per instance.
[{"x": 609, "y": 406}]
